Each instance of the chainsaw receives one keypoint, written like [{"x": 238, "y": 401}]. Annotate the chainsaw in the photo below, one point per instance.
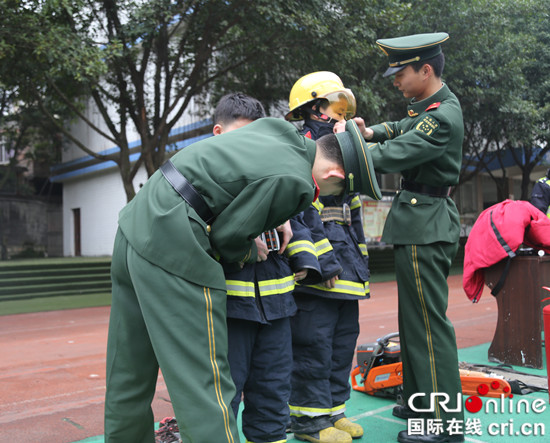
[{"x": 381, "y": 370}]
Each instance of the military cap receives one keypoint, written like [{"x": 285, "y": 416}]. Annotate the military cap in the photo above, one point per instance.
[
  {"x": 359, "y": 170},
  {"x": 411, "y": 48}
]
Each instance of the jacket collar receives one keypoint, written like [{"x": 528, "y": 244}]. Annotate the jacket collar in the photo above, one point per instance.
[{"x": 415, "y": 108}]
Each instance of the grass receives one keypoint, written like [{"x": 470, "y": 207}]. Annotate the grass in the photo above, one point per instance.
[
  {"x": 51, "y": 261},
  {"x": 54, "y": 303},
  {"x": 51, "y": 302}
]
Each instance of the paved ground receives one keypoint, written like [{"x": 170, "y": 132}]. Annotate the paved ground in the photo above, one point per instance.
[
  {"x": 474, "y": 323},
  {"x": 52, "y": 365}
]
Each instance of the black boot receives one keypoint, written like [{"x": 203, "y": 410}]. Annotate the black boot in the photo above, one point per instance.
[{"x": 404, "y": 412}]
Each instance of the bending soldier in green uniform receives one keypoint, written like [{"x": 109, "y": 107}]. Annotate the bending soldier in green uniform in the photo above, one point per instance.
[
  {"x": 423, "y": 225},
  {"x": 212, "y": 199}
]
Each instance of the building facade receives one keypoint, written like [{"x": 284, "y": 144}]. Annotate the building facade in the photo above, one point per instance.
[{"x": 93, "y": 193}]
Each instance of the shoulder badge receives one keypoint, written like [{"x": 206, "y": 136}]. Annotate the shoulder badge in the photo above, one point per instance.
[
  {"x": 428, "y": 125},
  {"x": 307, "y": 134},
  {"x": 433, "y": 106}
]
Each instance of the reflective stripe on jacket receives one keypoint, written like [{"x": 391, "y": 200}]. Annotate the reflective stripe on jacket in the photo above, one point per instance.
[
  {"x": 261, "y": 291},
  {"x": 346, "y": 242}
]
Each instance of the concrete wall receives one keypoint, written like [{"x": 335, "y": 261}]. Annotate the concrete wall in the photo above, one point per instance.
[{"x": 30, "y": 225}]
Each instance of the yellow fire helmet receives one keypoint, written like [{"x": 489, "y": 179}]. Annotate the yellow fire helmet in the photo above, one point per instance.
[{"x": 320, "y": 85}]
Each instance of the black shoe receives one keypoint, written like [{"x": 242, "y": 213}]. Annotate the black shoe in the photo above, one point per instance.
[
  {"x": 403, "y": 437},
  {"x": 404, "y": 412}
]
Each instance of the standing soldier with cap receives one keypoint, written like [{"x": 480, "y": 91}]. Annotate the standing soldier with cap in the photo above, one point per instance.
[{"x": 424, "y": 227}]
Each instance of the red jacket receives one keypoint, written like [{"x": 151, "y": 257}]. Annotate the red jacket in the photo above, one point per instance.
[{"x": 519, "y": 222}]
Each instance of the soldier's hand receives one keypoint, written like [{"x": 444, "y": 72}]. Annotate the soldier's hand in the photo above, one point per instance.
[
  {"x": 300, "y": 275},
  {"x": 262, "y": 249},
  {"x": 286, "y": 230},
  {"x": 366, "y": 132},
  {"x": 339, "y": 127}
]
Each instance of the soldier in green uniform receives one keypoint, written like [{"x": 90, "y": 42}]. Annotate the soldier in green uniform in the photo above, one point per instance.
[
  {"x": 423, "y": 225},
  {"x": 211, "y": 200}
]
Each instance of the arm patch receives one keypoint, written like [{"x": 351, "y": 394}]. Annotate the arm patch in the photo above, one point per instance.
[{"x": 428, "y": 125}]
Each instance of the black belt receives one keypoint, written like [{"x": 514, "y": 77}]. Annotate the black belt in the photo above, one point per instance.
[
  {"x": 340, "y": 214},
  {"x": 187, "y": 191},
  {"x": 434, "y": 191}
]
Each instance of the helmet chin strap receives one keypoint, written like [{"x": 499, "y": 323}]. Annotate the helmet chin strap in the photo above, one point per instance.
[
  {"x": 326, "y": 118},
  {"x": 322, "y": 117}
]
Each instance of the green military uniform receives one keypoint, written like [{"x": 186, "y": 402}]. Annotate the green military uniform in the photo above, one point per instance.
[
  {"x": 169, "y": 302},
  {"x": 423, "y": 225}
]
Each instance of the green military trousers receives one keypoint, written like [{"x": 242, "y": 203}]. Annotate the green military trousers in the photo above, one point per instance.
[
  {"x": 428, "y": 342},
  {"x": 159, "y": 319}
]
